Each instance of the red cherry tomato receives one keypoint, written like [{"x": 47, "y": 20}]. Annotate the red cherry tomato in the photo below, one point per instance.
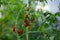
[
  {"x": 26, "y": 25},
  {"x": 25, "y": 21},
  {"x": 20, "y": 32}
]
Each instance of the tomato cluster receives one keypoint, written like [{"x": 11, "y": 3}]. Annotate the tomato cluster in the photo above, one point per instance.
[{"x": 19, "y": 31}]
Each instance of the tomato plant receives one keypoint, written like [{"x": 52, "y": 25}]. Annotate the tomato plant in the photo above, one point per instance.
[{"x": 20, "y": 21}]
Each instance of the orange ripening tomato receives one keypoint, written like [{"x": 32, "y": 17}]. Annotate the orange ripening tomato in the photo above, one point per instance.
[
  {"x": 14, "y": 28},
  {"x": 26, "y": 15},
  {"x": 27, "y": 8}
]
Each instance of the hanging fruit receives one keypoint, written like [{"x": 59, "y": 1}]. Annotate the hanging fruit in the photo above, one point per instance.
[
  {"x": 25, "y": 21},
  {"x": 26, "y": 15},
  {"x": 27, "y": 8},
  {"x": 26, "y": 24},
  {"x": 32, "y": 20},
  {"x": 14, "y": 28},
  {"x": 20, "y": 32}
]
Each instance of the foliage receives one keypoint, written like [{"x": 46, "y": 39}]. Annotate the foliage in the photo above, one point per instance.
[{"x": 18, "y": 22}]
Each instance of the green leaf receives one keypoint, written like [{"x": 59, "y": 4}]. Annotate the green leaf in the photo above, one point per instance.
[
  {"x": 57, "y": 37},
  {"x": 37, "y": 15},
  {"x": 57, "y": 14},
  {"x": 41, "y": 28}
]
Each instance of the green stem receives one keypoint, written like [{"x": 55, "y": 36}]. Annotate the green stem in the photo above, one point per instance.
[
  {"x": 16, "y": 26},
  {"x": 27, "y": 33}
]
